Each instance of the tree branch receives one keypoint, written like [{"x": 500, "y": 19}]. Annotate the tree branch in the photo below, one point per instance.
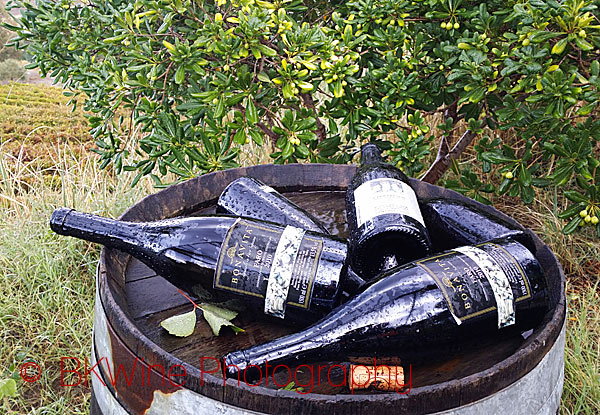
[
  {"x": 274, "y": 137},
  {"x": 441, "y": 164},
  {"x": 270, "y": 133},
  {"x": 444, "y": 148},
  {"x": 321, "y": 131}
]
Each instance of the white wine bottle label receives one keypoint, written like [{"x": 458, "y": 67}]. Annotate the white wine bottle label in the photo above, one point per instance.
[
  {"x": 383, "y": 196},
  {"x": 498, "y": 282},
  {"x": 479, "y": 280},
  {"x": 281, "y": 271},
  {"x": 248, "y": 256}
]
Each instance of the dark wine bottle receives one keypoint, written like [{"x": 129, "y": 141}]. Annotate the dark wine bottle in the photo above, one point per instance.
[
  {"x": 454, "y": 223},
  {"x": 384, "y": 219},
  {"x": 288, "y": 272},
  {"x": 418, "y": 309},
  {"x": 251, "y": 198}
]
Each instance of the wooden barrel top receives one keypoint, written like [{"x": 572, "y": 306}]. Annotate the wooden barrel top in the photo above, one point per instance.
[{"x": 135, "y": 300}]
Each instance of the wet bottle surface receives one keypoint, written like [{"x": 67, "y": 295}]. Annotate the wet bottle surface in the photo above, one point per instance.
[
  {"x": 419, "y": 309},
  {"x": 249, "y": 197},
  {"x": 384, "y": 218},
  {"x": 287, "y": 272},
  {"x": 453, "y": 223},
  {"x": 252, "y": 198}
]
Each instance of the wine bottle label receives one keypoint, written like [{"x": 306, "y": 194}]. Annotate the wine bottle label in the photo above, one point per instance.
[
  {"x": 281, "y": 271},
  {"x": 383, "y": 196},
  {"x": 498, "y": 282},
  {"x": 253, "y": 254},
  {"x": 479, "y": 280}
]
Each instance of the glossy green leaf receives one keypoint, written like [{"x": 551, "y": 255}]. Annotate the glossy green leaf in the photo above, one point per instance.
[
  {"x": 267, "y": 51},
  {"x": 571, "y": 211},
  {"x": 572, "y": 225},
  {"x": 287, "y": 151},
  {"x": 496, "y": 158},
  {"x": 527, "y": 194},
  {"x": 338, "y": 89},
  {"x": 559, "y": 47},
  {"x": 540, "y": 182},
  {"x": 595, "y": 68},
  {"x": 524, "y": 175},
  {"x": 302, "y": 150},
  {"x": 583, "y": 44},
  {"x": 263, "y": 77},
  {"x": 256, "y": 52},
  {"x": 240, "y": 136},
  {"x": 575, "y": 196},
  {"x": 562, "y": 175},
  {"x": 220, "y": 109},
  {"x": 167, "y": 45},
  {"x": 180, "y": 75},
  {"x": 256, "y": 137},
  {"x": 251, "y": 113}
]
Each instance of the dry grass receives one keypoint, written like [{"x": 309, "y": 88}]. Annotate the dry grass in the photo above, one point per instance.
[{"x": 47, "y": 283}]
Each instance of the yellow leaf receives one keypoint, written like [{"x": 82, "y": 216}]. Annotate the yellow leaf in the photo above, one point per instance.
[
  {"x": 309, "y": 65},
  {"x": 305, "y": 85},
  {"x": 265, "y": 4},
  {"x": 169, "y": 46},
  {"x": 559, "y": 47}
]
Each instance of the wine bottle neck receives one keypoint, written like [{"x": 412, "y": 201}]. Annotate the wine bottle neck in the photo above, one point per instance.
[
  {"x": 115, "y": 234},
  {"x": 370, "y": 154}
]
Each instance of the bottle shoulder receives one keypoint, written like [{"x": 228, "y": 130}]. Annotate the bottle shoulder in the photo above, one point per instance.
[{"x": 378, "y": 171}]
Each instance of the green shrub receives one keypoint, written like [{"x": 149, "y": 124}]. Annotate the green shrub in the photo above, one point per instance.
[
  {"x": 315, "y": 79},
  {"x": 11, "y": 70},
  {"x": 8, "y": 52}
]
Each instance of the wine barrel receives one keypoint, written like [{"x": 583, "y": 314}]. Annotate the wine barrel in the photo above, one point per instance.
[{"x": 140, "y": 369}]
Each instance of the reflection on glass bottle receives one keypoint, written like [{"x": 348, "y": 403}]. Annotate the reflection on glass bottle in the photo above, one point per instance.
[
  {"x": 384, "y": 218},
  {"x": 419, "y": 309},
  {"x": 454, "y": 223},
  {"x": 251, "y": 198},
  {"x": 286, "y": 272}
]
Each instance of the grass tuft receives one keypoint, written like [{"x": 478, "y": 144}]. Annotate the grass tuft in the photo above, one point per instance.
[
  {"x": 47, "y": 281},
  {"x": 581, "y": 393}
]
